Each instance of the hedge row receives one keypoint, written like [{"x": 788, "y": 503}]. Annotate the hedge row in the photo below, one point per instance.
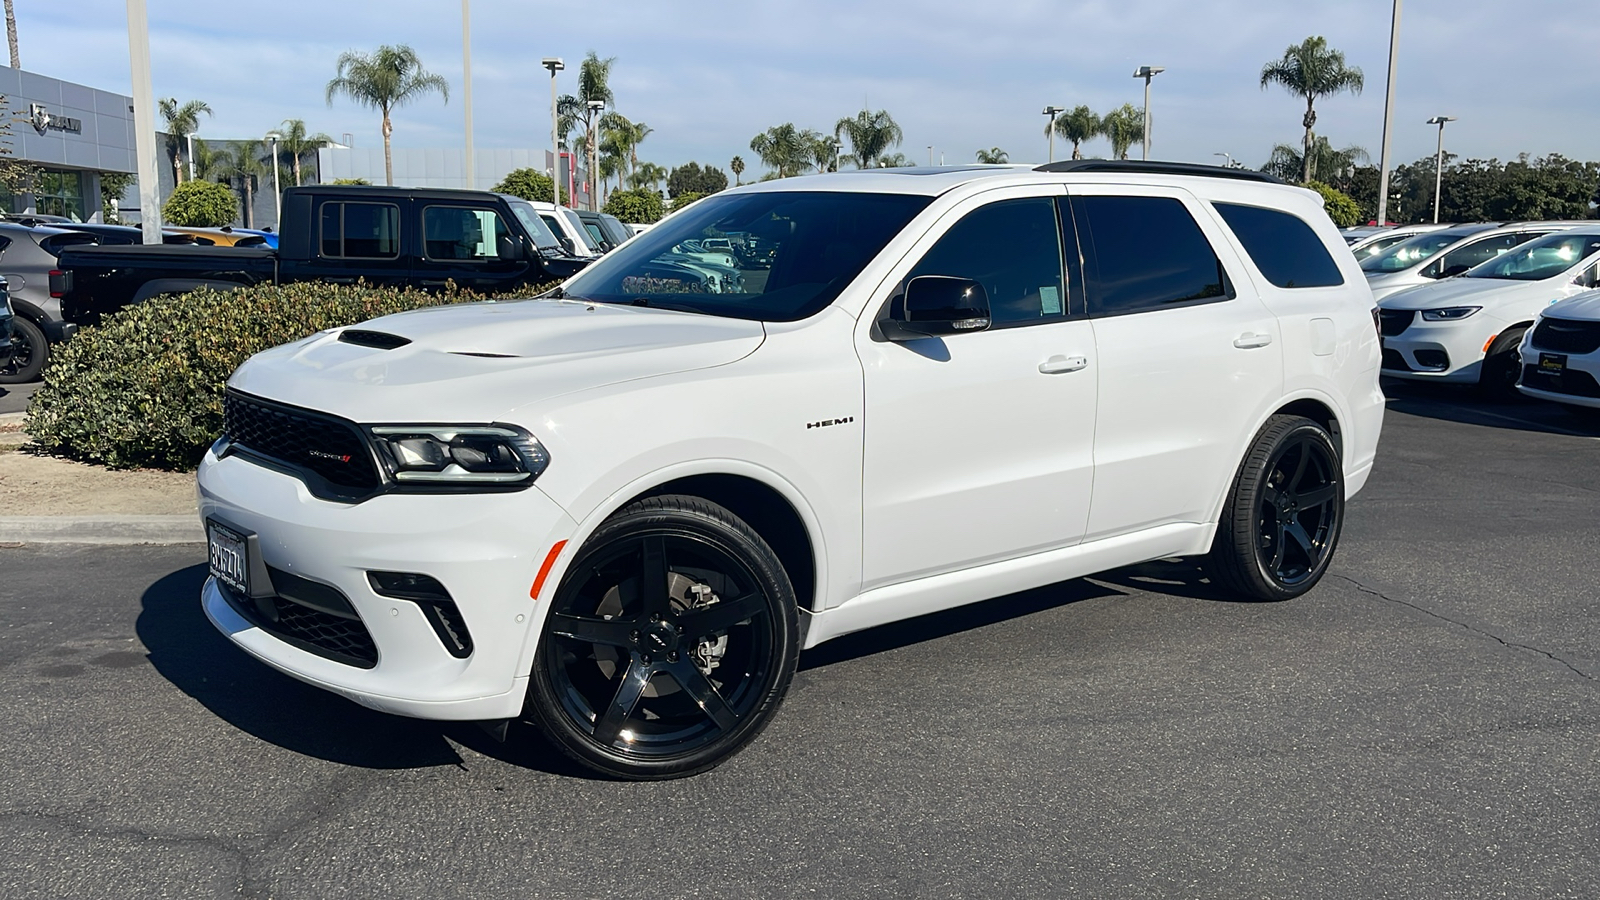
[{"x": 144, "y": 388}]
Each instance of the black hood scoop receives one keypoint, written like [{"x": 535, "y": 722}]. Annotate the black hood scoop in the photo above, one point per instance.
[{"x": 377, "y": 340}]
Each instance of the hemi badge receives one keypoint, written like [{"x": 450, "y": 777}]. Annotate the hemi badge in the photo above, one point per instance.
[{"x": 826, "y": 422}]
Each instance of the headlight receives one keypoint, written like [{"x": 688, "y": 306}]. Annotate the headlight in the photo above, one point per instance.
[
  {"x": 460, "y": 454},
  {"x": 1449, "y": 313}
]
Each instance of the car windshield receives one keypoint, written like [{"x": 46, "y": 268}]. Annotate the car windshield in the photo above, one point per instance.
[
  {"x": 796, "y": 251},
  {"x": 1539, "y": 259},
  {"x": 577, "y": 227},
  {"x": 614, "y": 229},
  {"x": 1378, "y": 245},
  {"x": 1408, "y": 252},
  {"x": 543, "y": 238}
]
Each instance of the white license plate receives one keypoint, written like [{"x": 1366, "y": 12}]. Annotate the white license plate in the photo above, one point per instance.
[{"x": 230, "y": 561}]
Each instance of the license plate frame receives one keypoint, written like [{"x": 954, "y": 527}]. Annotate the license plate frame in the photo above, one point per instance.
[
  {"x": 1553, "y": 363},
  {"x": 229, "y": 557}
]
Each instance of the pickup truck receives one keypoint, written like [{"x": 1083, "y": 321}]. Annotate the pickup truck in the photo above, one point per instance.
[{"x": 339, "y": 234}]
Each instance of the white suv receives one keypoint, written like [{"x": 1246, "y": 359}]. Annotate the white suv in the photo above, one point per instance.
[
  {"x": 624, "y": 508},
  {"x": 1561, "y": 353}
]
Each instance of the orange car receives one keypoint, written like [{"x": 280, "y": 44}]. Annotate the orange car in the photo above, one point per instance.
[{"x": 221, "y": 237}]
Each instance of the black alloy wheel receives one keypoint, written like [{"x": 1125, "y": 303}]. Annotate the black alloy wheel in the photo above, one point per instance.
[
  {"x": 1502, "y": 366},
  {"x": 29, "y": 350},
  {"x": 668, "y": 645},
  {"x": 1284, "y": 513}
]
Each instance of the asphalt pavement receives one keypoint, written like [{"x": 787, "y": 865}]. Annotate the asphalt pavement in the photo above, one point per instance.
[
  {"x": 14, "y": 397},
  {"x": 1423, "y": 724}
]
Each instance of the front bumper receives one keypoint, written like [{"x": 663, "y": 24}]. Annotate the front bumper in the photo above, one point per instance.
[
  {"x": 485, "y": 549},
  {"x": 1441, "y": 351},
  {"x": 1578, "y": 385}
]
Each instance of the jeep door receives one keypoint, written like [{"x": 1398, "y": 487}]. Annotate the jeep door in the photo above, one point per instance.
[
  {"x": 358, "y": 240},
  {"x": 471, "y": 245}
]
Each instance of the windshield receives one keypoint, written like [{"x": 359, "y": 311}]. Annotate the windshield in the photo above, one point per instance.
[
  {"x": 541, "y": 234},
  {"x": 1378, "y": 245},
  {"x": 794, "y": 252},
  {"x": 1408, "y": 252},
  {"x": 1537, "y": 260},
  {"x": 576, "y": 226}
]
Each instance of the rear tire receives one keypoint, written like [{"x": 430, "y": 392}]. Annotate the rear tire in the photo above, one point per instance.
[
  {"x": 30, "y": 351},
  {"x": 1502, "y": 366},
  {"x": 1281, "y": 523}
]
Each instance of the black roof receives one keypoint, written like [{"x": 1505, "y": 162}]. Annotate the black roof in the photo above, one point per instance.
[
  {"x": 395, "y": 191},
  {"x": 1151, "y": 167}
]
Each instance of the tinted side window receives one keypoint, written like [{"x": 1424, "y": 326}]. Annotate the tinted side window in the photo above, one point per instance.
[
  {"x": 361, "y": 230},
  {"x": 463, "y": 233},
  {"x": 1282, "y": 246},
  {"x": 1463, "y": 258},
  {"x": 1012, "y": 248},
  {"x": 1145, "y": 253}
]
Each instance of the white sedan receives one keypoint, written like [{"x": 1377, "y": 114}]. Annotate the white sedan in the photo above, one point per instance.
[{"x": 1561, "y": 353}]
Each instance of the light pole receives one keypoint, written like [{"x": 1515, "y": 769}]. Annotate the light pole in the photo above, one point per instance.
[
  {"x": 1230, "y": 163},
  {"x": 554, "y": 64},
  {"x": 1438, "y": 163},
  {"x": 1050, "y": 130},
  {"x": 1147, "y": 73},
  {"x": 594, "y": 151},
  {"x": 188, "y": 140},
  {"x": 277, "y": 190},
  {"x": 930, "y": 155},
  {"x": 144, "y": 131},
  {"x": 466, "y": 80},
  {"x": 1388, "y": 119}
]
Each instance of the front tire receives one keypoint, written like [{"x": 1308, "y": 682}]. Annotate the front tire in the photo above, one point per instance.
[
  {"x": 1281, "y": 523},
  {"x": 669, "y": 643},
  {"x": 30, "y": 350},
  {"x": 1502, "y": 366}
]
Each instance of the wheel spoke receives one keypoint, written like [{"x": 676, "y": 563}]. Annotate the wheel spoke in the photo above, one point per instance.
[
  {"x": 1298, "y": 532},
  {"x": 653, "y": 576},
  {"x": 703, "y": 692},
  {"x": 1300, "y": 466},
  {"x": 1277, "y": 551},
  {"x": 1271, "y": 495},
  {"x": 1318, "y": 497},
  {"x": 613, "y": 632},
  {"x": 608, "y": 726},
  {"x": 723, "y": 615}
]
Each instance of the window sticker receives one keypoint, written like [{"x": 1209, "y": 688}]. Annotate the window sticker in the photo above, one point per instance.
[{"x": 1049, "y": 301}]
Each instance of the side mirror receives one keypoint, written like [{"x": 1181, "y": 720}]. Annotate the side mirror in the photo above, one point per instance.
[
  {"x": 938, "y": 305},
  {"x": 1454, "y": 270}
]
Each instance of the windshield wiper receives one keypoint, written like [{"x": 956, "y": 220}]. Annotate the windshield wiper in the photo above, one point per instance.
[{"x": 674, "y": 307}]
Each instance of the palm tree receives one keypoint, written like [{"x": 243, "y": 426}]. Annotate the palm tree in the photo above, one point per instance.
[
  {"x": 785, "y": 149},
  {"x": 895, "y": 161},
  {"x": 1311, "y": 69},
  {"x": 993, "y": 155},
  {"x": 385, "y": 79},
  {"x": 181, "y": 120},
  {"x": 294, "y": 141},
  {"x": 825, "y": 153},
  {"x": 737, "y": 165},
  {"x": 245, "y": 168},
  {"x": 11, "y": 35},
  {"x": 647, "y": 174},
  {"x": 571, "y": 110},
  {"x": 624, "y": 136},
  {"x": 209, "y": 162},
  {"x": 1078, "y": 126},
  {"x": 1288, "y": 163},
  {"x": 870, "y": 134},
  {"x": 1125, "y": 127}
]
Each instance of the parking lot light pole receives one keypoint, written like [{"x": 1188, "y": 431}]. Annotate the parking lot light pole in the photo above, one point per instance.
[
  {"x": 144, "y": 131},
  {"x": 1050, "y": 130},
  {"x": 1438, "y": 163},
  {"x": 1230, "y": 163},
  {"x": 466, "y": 84},
  {"x": 277, "y": 190},
  {"x": 554, "y": 64},
  {"x": 1147, "y": 73},
  {"x": 1388, "y": 119},
  {"x": 594, "y": 153}
]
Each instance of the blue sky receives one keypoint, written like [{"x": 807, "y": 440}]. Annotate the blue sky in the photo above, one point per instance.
[{"x": 708, "y": 76}]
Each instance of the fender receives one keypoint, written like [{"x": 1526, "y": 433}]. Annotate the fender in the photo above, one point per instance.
[
  {"x": 1341, "y": 438},
  {"x": 180, "y": 286}
]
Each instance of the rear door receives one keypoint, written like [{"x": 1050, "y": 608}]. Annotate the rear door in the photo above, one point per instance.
[{"x": 359, "y": 240}]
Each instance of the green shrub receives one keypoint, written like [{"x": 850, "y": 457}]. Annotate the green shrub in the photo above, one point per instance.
[
  {"x": 201, "y": 204},
  {"x": 144, "y": 388},
  {"x": 684, "y": 199},
  {"x": 639, "y": 206},
  {"x": 349, "y": 181},
  {"x": 1341, "y": 208},
  {"x": 528, "y": 184}
]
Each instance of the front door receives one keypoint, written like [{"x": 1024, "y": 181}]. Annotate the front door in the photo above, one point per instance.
[
  {"x": 979, "y": 446},
  {"x": 472, "y": 246}
]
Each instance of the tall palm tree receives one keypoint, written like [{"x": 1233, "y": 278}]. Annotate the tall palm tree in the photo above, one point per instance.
[
  {"x": 297, "y": 143},
  {"x": 624, "y": 135},
  {"x": 385, "y": 79},
  {"x": 870, "y": 134},
  {"x": 594, "y": 78},
  {"x": 181, "y": 120},
  {"x": 825, "y": 153},
  {"x": 785, "y": 149},
  {"x": 993, "y": 155},
  {"x": 737, "y": 165},
  {"x": 11, "y": 35},
  {"x": 244, "y": 167},
  {"x": 1078, "y": 126},
  {"x": 895, "y": 161},
  {"x": 1311, "y": 69},
  {"x": 210, "y": 161},
  {"x": 1287, "y": 161},
  {"x": 1124, "y": 126},
  {"x": 647, "y": 174}
]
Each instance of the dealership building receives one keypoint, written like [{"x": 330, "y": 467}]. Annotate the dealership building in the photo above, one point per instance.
[{"x": 71, "y": 134}]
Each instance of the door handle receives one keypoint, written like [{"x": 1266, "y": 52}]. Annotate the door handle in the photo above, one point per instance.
[
  {"x": 1059, "y": 365},
  {"x": 1251, "y": 340}
]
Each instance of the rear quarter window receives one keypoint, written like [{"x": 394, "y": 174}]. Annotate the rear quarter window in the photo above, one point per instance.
[{"x": 1282, "y": 246}]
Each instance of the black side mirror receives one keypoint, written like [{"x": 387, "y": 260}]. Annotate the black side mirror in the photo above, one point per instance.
[{"x": 938, "y": 305}]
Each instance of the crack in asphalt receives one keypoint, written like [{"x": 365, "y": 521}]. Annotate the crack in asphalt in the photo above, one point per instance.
[{"x": 1478, "y": 631}]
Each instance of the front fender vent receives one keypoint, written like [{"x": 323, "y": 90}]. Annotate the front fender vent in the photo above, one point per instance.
[{"x": 378, "y": 340}]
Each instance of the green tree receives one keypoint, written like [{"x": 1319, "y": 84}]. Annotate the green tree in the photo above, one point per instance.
[
  {"x": 895, "y": 161},
  {"x": 15, "y": 175},
  {"x": 594, "y": 83},
  {"x": 209, "y": 161},
  {"x": 870, "y": 135},
  {"x": 1340, "y": 208},
  {"x": 181, "y": 119},
  {"x": 684, "y": 199},
  {"x": 1311, "y": 69},
  {"x": 648, "y": 174},
  {"x": 993, "y": 155},
  {"x": 245, "y": 168},
  {"x": 297, "y": 143},
  {"x": 691, "y": 178},
  {"x": 112, "y": 186},
  {"x": 638, "y": 207},
  {"x": 825, "y": 153},
  {"x": 785, "y": 149},
  {"x": 385, "y": 79},
  {"x": 1124, "y": 127},
  {"x": 201, "y": 204},
  {"x": 1081, "y": 125},
  {"x": 349, "y": 181},
  {"x": 1335, "y": 166},
  {"x": 737, "y": 165},
  {"x": 529, "y": 184}
]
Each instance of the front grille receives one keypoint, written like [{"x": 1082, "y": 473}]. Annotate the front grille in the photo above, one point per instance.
[
  {"x": 339, "y": 638},
  {"x": 1393, "y": 360},
  {"x": 1571, "y": 381},
  {"x": 1566, "y": 336},
  {"x": 1395, "y": 321},
  {"x": 331, "y": 448}
]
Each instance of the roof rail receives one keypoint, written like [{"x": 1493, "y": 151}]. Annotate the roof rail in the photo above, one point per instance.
[{"x": 1147, "y": 167}]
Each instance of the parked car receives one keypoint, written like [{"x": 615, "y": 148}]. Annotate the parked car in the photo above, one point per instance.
[
  {"x": 27, "y": 257},
  {"x": 1467, "y": 329},
  {"x": 338, "y": 234},
  {"x": 5, "y": 326},
  {"x": 222, "y": 237},
  {"x": 568, "y": 229},
  {"x": 1560, "y": 354},
  {"x": 1446, "y": 253},
  {"x": 1361, "y": 232},
  {"x": 624, "y": 508},
  {"x": 34, "y": 220},
  {"x": 123, "y": 235},
  {"x": 607, "y": 230},
  {"x": 1385, "y": 238}
]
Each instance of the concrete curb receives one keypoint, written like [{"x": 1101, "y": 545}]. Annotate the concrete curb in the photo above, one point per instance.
[{"x": 101, "y": 530}]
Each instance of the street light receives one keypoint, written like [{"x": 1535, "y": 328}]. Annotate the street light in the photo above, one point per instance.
[
  {"x": 1438, "y": 163},
  {"x": 1147, "y": 73},
  {"x": 554, "y": 64},
  {"x": 594, "y": 155},
  {"x": 1230, "y": 164},
  {"x": 277, "y": 192},
  {"x": 930, "y": 155},
  {"x": 188, "y": 139},
  {"x": 1388, "y": 117},
  {"x": 1050, "y": 130},
  {"x": 466, "y": 82}
]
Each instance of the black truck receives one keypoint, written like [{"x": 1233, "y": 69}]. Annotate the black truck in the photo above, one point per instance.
[{"x": 422, "y": 237}]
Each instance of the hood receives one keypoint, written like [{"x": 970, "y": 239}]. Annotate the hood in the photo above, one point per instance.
[
  {"x": 1461, "y": 292},
  {"x": 1584, "y": 306},
  {"x": 1386, "y": 283},
  {"x": 474, "y": 362}
]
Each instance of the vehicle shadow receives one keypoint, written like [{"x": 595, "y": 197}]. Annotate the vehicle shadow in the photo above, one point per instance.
[
  {"x": 1463, "y": 404},
  {"x": 1180, "y": 577}
]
